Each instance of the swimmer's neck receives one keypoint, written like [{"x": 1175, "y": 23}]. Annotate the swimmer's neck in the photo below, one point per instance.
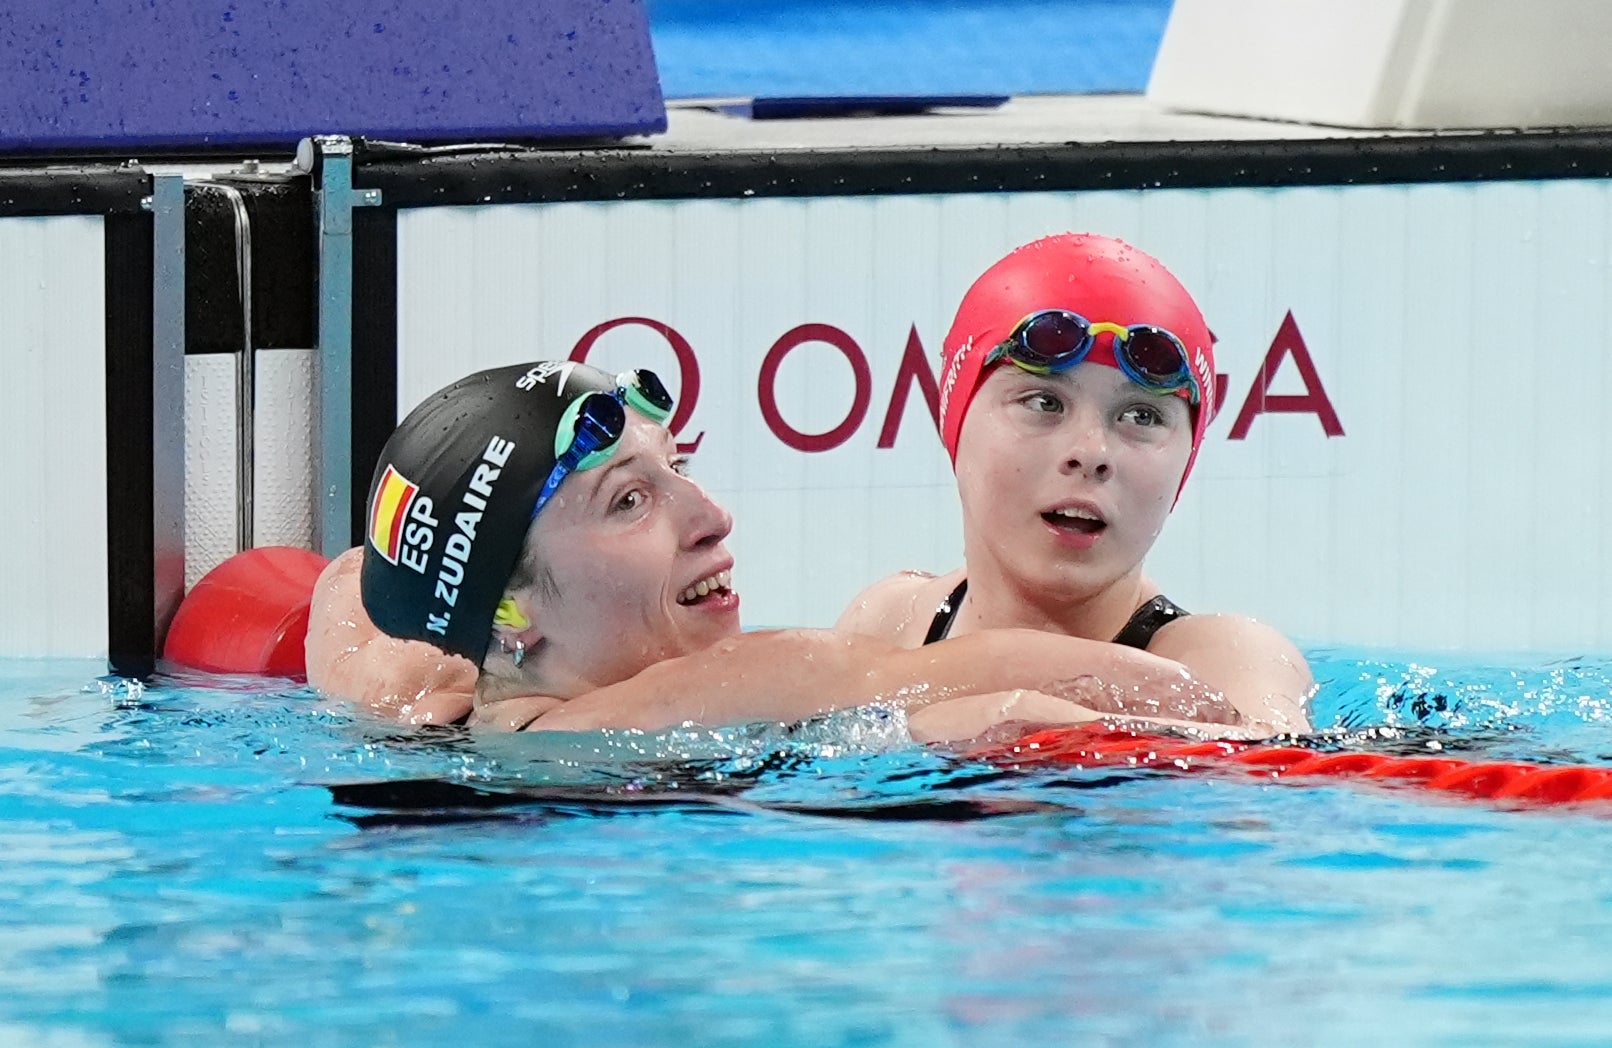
[{"x": 998, "y": 602}]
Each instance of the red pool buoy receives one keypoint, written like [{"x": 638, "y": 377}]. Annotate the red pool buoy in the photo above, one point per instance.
[{"x": 248, "y": 615}]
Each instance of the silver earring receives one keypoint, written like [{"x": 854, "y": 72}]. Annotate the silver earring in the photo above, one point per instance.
[{"x": 520, "y": 652}]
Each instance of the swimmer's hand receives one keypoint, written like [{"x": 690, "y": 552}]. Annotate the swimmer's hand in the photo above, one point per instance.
[
  {"x": 998, "y": 716},
  {"x": 1168, "y": 692},
  {"x": 522, "y": 713},
  {"x": 1004, "y": 716}
]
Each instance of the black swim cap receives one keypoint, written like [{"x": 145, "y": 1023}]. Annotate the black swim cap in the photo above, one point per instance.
[{"x": 452, "y": 500}]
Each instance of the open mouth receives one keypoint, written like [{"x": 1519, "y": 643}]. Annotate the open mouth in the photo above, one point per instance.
[
  {"x": 705, "y": 589},
  {"x": 1073, "y": 518}
]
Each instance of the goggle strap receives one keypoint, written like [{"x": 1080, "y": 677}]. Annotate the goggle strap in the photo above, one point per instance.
[
  {"x": 594, "y": 457},
  {"x": 557, "y": 474},
  {"x": 565, "y": 434}
]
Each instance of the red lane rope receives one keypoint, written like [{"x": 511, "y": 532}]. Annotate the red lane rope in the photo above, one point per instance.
[{"x": 1511, "y": 781}]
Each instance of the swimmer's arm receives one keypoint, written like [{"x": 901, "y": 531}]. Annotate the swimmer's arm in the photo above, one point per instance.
[
  {"x": 349, "y": 658},
  {"x": 1110, "y": 679},
  {"x": 1114, "y": 679},
  {"x": 788, "y": 675},
  {"x": 777, "y": 675},
  {"x": 1254, "y": 666}
]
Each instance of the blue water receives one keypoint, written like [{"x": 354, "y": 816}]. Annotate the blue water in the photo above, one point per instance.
[{"x": 208, "y": 862}]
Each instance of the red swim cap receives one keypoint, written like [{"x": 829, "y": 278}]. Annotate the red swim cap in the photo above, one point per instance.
[{"x": 1104, "y": 280}]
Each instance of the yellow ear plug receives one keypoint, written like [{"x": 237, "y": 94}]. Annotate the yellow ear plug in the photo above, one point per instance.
[{"x": 508, "y": 614}]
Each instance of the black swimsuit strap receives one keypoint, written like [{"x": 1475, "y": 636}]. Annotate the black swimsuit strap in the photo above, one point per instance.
[
  {"x": 1137, "y": 632},
  {"x": 1148, "y": 620},
  {"x": 941, "y": 624}
]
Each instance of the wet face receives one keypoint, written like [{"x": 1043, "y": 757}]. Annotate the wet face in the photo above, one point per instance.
[
  {"x": 635, "y": 550},
  {"x": 1067, "y": 479}
]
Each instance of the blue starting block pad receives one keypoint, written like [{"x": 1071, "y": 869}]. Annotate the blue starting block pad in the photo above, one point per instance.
[
  {"x": 793, "y": 49},
  {"x": 120, "y": 75}
]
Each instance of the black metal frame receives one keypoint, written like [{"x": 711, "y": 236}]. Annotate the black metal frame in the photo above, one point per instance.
[
  {"x": 534, "y": 176},
  {"x": 130, "y": 516}
]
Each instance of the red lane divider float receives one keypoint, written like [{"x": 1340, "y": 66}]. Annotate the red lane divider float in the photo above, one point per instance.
[
  {"x": 248, "y": 615},
  {"x": 1511, "y": 781}
]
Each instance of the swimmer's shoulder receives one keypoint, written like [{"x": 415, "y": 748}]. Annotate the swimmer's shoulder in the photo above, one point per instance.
[
  {"x": 1252, "y": 663},
  {"x": 900, "y": 607},
  {"x": 338, "y": 629},
  {"x": 349, "y": 658},
  {"x": 1219, "y": 632},
  {"x": 340, "y": 577}
]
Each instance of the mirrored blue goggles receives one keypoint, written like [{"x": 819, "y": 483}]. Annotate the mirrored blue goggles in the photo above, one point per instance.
[
  {"x": 1055, "y": 340},
  {"x": 591, "y": 427}
]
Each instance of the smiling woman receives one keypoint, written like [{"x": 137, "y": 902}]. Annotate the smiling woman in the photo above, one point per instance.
[
  {"x": 537, "y": 558},
  {"x": 452, "y": 558}
]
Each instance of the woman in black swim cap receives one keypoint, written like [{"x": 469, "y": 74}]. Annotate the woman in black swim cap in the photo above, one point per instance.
[{"x": 630, "y": 547}]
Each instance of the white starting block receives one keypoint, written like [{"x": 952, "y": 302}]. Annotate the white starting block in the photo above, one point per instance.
[{"x": 1426, "y": 64}]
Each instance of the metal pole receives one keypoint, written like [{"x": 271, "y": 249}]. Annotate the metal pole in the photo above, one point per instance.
[
  {"x": 245, "y": 372},
  {"x": 167, "y": 399},
  {"x": 329, "y": 158}
]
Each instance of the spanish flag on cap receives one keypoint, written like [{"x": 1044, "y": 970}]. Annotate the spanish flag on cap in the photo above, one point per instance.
[{"x": 393, "y": 496}]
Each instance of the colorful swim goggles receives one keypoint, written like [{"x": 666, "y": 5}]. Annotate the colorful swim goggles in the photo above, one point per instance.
[
  {"x": 1054, "y": 340},
  {"x": 592, "y": 426}
]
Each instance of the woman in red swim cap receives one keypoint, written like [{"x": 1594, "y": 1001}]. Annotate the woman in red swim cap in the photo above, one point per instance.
[{"x": 1076, "y": 385}]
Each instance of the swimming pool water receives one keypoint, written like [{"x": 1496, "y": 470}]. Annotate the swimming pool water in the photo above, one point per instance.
[{"x": 205, "y": 861}]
